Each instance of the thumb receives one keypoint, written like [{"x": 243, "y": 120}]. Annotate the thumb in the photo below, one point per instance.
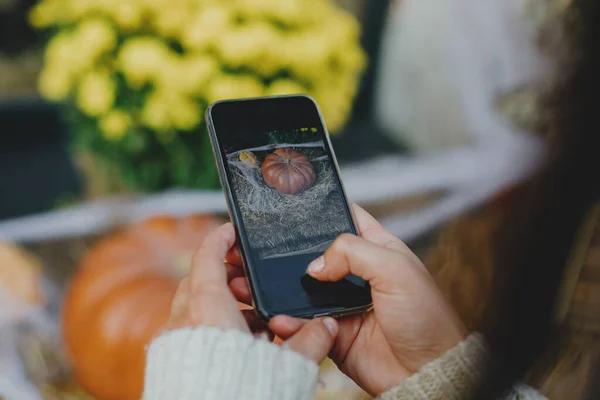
[
  {"x": 315, "y": 339},
  {"x": 354, "y": 255}
]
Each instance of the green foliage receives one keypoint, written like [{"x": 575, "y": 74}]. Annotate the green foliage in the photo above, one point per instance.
[{"x": 146, "y": 163}]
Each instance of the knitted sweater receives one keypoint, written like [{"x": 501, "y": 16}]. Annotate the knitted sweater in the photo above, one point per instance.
[{"x": 208, "y": 363}]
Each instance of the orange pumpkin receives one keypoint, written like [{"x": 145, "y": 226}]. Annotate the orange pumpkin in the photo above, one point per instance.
[
  {"x": 120, "y": 299},
  {"x": 288, "y": 171}
]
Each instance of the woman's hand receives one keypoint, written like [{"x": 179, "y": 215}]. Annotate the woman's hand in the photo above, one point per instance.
[
  {"x": 203, "y": 298},
  {"x": 410, "y": 325}
]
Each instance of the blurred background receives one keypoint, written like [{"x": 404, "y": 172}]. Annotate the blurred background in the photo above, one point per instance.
[{"x": 434, "y": 107}]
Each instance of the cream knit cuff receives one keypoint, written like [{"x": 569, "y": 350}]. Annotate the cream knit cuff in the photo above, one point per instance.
[
  {"x": 210, "y": 363},
  {"x": 452, "y": 376}
]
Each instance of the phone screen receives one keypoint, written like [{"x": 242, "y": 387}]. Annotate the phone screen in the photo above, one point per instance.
[{"x": 286, "y": 191}]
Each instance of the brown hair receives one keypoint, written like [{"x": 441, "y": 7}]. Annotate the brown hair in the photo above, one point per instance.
[{"x": 529, "y": 244}]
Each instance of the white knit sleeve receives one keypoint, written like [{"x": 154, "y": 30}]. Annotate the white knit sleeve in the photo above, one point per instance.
[{"x": 210, "y": 363}]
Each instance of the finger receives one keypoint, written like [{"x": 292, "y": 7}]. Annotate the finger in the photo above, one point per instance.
[
  {"x": 234, "y": 256},
  {"x": 211, "y": 302},
  {"x": 285, "y": 326},
  {"x": 179, "y": 304},
  {"x": 207, "y": 265},
  {"x": 315, "y": 339},
  {"x": 254, "y": 322},
  {"x": 371, "y": 230},
  {"x": 180, "y": 300},
  {"x": 349, "y": 330},
  {"x": 241, "y": 291},
  {"x": 351, "y": 254},
  {"x": 364, "y": 220},
  {"x": 233, "y": 271}
]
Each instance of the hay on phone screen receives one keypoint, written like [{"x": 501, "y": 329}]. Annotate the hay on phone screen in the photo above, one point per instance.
[{"x": 278, "y": 224}]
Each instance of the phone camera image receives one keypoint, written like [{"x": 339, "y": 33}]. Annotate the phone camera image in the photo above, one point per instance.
[{"x": 287, "y": 191}]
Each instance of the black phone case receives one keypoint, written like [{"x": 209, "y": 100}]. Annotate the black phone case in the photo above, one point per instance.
[{"x": 259, "y": 306}]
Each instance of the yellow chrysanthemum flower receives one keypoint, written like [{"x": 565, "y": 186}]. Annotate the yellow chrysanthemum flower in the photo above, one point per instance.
[
  {"x": 79, "y": 50},
  {"x": 155, "y": 113},
  {"x": 156, "y": 5},
  {"x": 335, "y": 108},
  {"x": 236, "y": 47},
  {"x": 314, "y": 41},
  {"x": 167, "y": 76},
  {"x": 170, "y": 21},
  {"x": 77, "y": 9},
  {"x": 114, "y": 125},
  {"x": 318, "y": 13},
  {"x": 287, "y": 11},
  {"x": 141, "y": 59},
  {"x": 61, "y": 50},
  {"x": 167, "y": 110},
  {"x": 195, "y": 71},
  {"x": 96, "y": 93},
  {"x": 127, "y": 14},
  {"x": 347, "y": 87},
  {"x": 307, "y": 55},
  {"x": 206, "y": 26},
  {"x": 268, "y": 42},
  {"x": 185, "y": 114},
  {"x": 55, "y": 84},
  {"x": 254, "y": 45},
  {"x": 343, "y": 85},
  {"x": 95, "y": 37},
  {"x": 285, "y": 86},
  {"x": 342, "y": 27},
  {"x": 253, "y": 8},
  {"x": 232, "y": 87},
  {"x": 186, "y": 75},
  {"x": 46, "y": 13},
  {"x": 352, "y": 59},
  {"x": 334, "y": 119}
]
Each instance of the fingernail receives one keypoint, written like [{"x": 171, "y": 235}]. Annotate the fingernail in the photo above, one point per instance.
[
  {"x": 317, "y": 265},
  {"x": 330, "y": 324}
]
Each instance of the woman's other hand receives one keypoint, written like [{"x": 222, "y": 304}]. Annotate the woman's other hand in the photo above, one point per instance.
[
  {"x": 204, "y": 299},
  {"x": 410, "y": 325}
]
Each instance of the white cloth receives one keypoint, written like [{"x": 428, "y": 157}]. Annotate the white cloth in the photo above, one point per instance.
[{"x": 209, "y": 363}]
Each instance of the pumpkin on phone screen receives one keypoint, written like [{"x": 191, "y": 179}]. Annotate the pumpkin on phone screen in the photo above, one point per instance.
[
  {"x": 288, "y": 171},
  {"x": 120, "y": 299}
]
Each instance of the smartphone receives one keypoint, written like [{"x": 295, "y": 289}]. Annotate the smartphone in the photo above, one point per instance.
[{"x": 287, "y": 202}]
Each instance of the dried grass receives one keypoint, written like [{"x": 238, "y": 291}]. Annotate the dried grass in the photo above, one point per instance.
[{"x": 278, "y": 224}]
